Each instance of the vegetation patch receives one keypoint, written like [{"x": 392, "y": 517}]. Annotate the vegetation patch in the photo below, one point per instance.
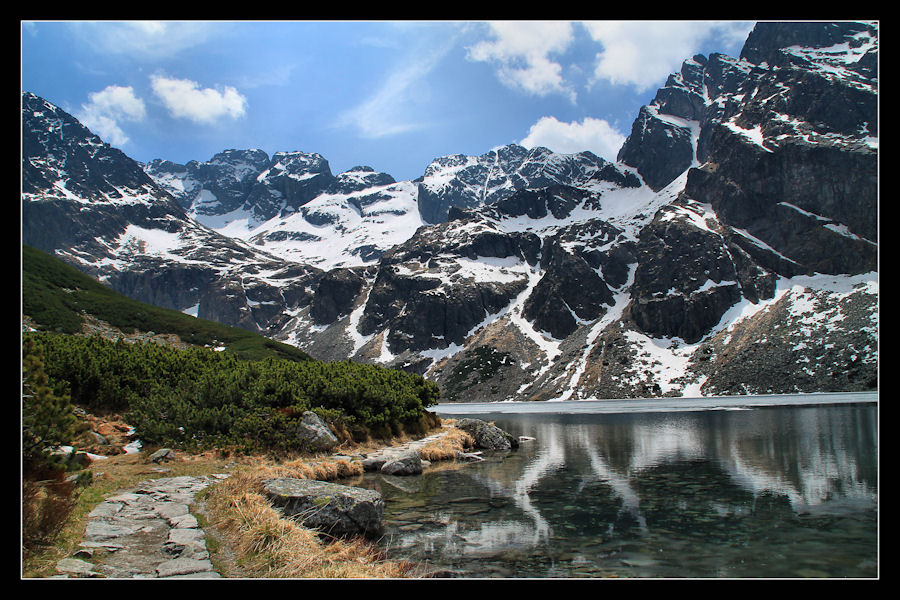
[
  {"x": 56, "y": 297},
  {"x": 199, "y": 399}
]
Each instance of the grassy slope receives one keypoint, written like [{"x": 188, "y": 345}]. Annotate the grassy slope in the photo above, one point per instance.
[{"x": 54, "y": 295}]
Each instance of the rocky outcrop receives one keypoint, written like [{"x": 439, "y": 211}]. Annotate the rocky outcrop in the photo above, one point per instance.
[
  {"x": 423, "y": 294},
  {"x": 487, "y": 436},
  {"x": 686, "y": 276},
  {"x": 335, "y": 294},
  {"x": 331, "y": 508},
  {"x": 658, "y": 147},
  {"x": 470, "y": 182},
  {"x": 290, "y": 181},
  {"x": 570, "y": 290},
  {"x": 359, "y": 178}
]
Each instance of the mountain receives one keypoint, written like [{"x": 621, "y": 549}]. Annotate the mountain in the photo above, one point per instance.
[
  {"x": 731, "y": 248},
  {"x": 91, "y": 205}
]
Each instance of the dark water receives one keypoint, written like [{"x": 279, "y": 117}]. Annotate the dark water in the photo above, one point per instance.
[{"x": 771, "y": 492}]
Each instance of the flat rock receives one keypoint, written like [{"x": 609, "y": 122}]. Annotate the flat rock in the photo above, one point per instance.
[
  {"x": 76, "y": 566},
  {"x": 340, "y": 510},
  {"x": 97, "y": 531},
  {"x": 105, "y": 509},
  {"x": 170, "y": 510},
  {"x": 184, "y": 522},
  {"x": 182, "y": 566}
]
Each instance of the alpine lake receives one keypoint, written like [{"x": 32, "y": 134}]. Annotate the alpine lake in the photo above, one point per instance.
[{"x": 729, "y": 487}]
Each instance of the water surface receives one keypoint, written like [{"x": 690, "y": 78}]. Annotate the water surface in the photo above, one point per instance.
[{"x": 770, "y": 491}]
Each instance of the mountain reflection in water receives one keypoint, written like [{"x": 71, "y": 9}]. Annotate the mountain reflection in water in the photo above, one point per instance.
[{"x": 768, "y": 492}]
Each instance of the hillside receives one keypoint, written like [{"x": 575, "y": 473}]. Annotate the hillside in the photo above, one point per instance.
[{"x": 57, "y": 297}]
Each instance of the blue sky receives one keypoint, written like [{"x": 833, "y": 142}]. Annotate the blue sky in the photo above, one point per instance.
[{"x": 393, "y": 95}]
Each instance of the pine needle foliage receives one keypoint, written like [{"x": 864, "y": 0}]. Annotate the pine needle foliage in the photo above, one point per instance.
[
  {"x": 197, "y": 398},
  {"x": 47, "y": 417}
]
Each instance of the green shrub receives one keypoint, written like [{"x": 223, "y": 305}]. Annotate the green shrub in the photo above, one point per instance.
[
  {"x": 48, "y": 420},
  {"x": 198, "y": 398}
]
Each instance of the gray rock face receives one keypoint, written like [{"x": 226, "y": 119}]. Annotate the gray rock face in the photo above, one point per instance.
[
  {"x": 422, "y": 294},
  {"x": 359, "y": 178},
  {"x": 470, "y": 182},
  {"x": 487, "y": 436},
  {"x": 659, "y": 149},
  {"x": 569, "y": 289},
  {"x": 291, "y": 180},
  {"x": 314, "y": 433},
  {"x": 337, "y": 290},
  {"x": 332, "y": 508}
]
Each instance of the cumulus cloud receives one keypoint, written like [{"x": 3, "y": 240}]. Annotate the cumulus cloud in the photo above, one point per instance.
[
  {"x": 106, "y": 109},
  {"x": 521, "y": 51},
  {"x": 595, "y": 135},
  {"x": 187, "y": 100},
  {"x": 644, "y": 53}
]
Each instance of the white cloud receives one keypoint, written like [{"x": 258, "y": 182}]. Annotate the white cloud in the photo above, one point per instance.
[
  {"x": 107, "y": 108},
  {"x": 644, "y": 53},
  {"x": 389, "y": 110},
  {"x": 145, "y": 40},
  {"x": 521, "y": 50},
  {"x": 185, "y": 99},
  {"x": 595, "y": 135}
]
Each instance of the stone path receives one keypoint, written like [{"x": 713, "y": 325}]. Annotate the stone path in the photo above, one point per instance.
[{"x": 146, "y": 532}]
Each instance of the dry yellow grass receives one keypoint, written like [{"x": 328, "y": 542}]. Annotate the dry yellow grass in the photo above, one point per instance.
[
  {"x": 268, "y": 546},
  {"x": 447, "y": 446}
]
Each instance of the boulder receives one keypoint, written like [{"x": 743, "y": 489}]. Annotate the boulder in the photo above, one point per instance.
[
  {"x": 331, "y": 508},
  {"x": 161, "y": 455},
  {"x": 487, "y": 436},
  {"x": 374, "y": 463},
  {"x": 313, "y": 431},
  {"x": 406, "y": 463}
]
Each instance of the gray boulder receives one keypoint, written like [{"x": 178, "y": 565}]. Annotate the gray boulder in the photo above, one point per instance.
[
  {"x": 487, "y": 436},
  {"x": 162, "y": 455},
  {"x": 313, "y": 431},
  {"x": 406, "y": 463},
  {"x": 332, "y": 508}
]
